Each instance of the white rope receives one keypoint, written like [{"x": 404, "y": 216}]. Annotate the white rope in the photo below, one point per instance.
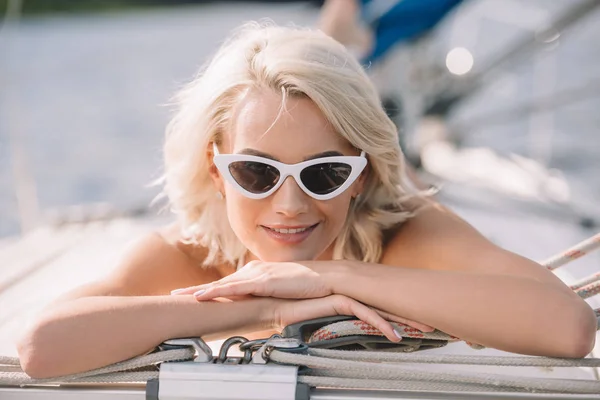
[
  {"x": 353, "y": 383},
  {"x": 586, "y": 281},
  {"x": 573, "y": 253},
  {"x": 589, "y": 290},
  {"x": 4, "y": 360},
  {"x": 366, "y": 370},
  {"x": 10, "y": 368},
  {"x": 361, "y": 328},
  {"x": 8, "y": 376},
  {"x": 375, "y": 356},
  {"x": 21, "y": 378}
]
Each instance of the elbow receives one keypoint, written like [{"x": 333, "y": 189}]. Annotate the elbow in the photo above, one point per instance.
[
  {"x": 34, "y": 358},
  {"x": 31, "y": 365},
  {"x": 582, "y": 339}
]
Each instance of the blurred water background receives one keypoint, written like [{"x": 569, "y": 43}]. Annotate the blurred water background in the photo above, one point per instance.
[{"x": 87, "y": 94}]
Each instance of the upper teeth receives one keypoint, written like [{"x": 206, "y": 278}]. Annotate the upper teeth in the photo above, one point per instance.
[{"x": 284, "y": 230}]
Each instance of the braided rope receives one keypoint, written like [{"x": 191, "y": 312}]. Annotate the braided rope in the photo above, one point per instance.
[
  {"x": 9, "y": 376},
  {"x": 586, "y": 281},
  {"x": 21, "y": 378},
  {"x": 353, "y": 383},
  {"x": 573, "y": 253},
  {"x": 524, "y": 361},
  {"x": 4, "y": 360},
  {"x": 368, "y": 370},
  {"x": 361, "y": 328},
  {"x": 589, "y": 290},
  {"x": 358, "y": 327},
  {"x": 10, "y": 368}
]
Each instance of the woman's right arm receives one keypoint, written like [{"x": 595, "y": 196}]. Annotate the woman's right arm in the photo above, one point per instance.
[
  {"x": 131, "y": 312},
  {"x": 95, "y": 331}
]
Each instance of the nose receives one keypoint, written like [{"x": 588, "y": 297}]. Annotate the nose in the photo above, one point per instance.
[{"x": 289, "y": 199}]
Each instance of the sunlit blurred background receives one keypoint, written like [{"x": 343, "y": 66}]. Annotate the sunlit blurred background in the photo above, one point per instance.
[
  {"x": 85, "y": 87},
  {"x": 498, "y": 104},
  {"x": 84, "y": 97}
]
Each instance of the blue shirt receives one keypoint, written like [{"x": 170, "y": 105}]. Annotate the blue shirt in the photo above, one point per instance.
[{"x": 396, "y": 21}]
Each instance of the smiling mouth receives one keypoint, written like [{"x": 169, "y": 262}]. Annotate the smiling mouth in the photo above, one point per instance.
[
  {"x": 290, "y": 231},
  {"x": 290, "y": 236}
]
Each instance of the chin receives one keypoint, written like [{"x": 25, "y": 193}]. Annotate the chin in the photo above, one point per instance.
[{"x": 287, "y": 255}]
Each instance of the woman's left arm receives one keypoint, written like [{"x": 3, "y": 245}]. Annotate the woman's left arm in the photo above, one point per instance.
[{"x": 440, "y": 271}]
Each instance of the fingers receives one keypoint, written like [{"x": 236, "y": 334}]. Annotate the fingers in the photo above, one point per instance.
[
  {"x": 289, "y": 312},
  {"x": 228, "y": 290},
  {"x": 419, "y": 326},
  {"x": 235, "y": 277},
  {"x": 391, "y": 317},
  {"x": 194, "y": 289},
  {"x": 189, "y": 290},
  {"x": 414, "y": 324},
  {"x": 368, "y": 315}
]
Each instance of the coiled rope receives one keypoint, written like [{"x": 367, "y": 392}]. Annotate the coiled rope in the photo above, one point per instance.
[
  {"x": 136, "y": 369},
  {"x": 393, "y": 372}
]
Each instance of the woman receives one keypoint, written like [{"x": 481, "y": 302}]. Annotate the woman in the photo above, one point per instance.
[{"x": 281, "y": 160}]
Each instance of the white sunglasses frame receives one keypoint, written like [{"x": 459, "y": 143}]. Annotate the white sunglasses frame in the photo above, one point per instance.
[{"x": 222, "y": 161}]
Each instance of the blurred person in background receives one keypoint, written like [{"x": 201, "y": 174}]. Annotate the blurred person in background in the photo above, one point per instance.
[
  {"x": 371, "y": 28},
  {"x": 292, "y": 202},
  {"x": 374, "y": 31}
]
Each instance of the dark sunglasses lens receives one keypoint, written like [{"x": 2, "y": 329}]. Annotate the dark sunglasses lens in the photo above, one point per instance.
[
  {"x": 255, "y": 177},
  {"x": 326, "y": 177}
]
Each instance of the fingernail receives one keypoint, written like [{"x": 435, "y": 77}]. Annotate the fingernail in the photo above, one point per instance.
[
  {"x": 199, "y": 292},
  {"x": 177, "y": 291},
  {"x": 397, "y": 334}
]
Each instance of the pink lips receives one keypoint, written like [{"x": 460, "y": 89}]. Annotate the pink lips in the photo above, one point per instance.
[{"x": 289, "y": 238}]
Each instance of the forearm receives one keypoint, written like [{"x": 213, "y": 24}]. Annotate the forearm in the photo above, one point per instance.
[
  {"x": 505, "y": 312},
  {"x": 90, "y": 332}
]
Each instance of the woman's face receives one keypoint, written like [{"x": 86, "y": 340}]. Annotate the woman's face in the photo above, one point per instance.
[{"x": 300, "y": 133}]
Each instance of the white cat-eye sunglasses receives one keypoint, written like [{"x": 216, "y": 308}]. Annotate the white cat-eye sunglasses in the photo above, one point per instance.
[{"x": 258, "y": 177}]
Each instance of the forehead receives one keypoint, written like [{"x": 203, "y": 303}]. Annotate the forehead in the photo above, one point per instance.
[{"x": 291, "y": 133}]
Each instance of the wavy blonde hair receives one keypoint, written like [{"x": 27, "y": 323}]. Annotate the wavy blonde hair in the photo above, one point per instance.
[{"x": 296, "y": 62}]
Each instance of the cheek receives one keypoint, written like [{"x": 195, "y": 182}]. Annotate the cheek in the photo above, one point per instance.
[
  {"x": 335, "y": 212},
  {"x": 242, "y": 213}
]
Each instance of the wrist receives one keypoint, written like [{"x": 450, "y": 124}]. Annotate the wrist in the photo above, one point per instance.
[
  {"x": 333, "y": 273},
  {"x": 270, "y": 315}
]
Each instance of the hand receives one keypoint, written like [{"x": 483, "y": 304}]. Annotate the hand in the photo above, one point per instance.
[
  {"x": 391, "y": 317},
  {"x": 300, "y": 307},
  {"x": 287, "y": 312},
  {"x": 284, "y": 280}
]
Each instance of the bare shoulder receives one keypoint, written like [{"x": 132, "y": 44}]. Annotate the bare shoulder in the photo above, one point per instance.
[
  {"x": 160, "y": 262},
  {"x": 153, "y": 264},
  {"x": 436, "y": 238},
  {"x": 430, "y": 235}
]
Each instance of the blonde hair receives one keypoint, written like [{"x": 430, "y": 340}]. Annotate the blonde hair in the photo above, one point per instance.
[{"x": 294, "y": 61}]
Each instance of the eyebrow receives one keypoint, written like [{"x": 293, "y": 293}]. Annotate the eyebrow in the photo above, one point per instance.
[{"x": 253, "y": 152}]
